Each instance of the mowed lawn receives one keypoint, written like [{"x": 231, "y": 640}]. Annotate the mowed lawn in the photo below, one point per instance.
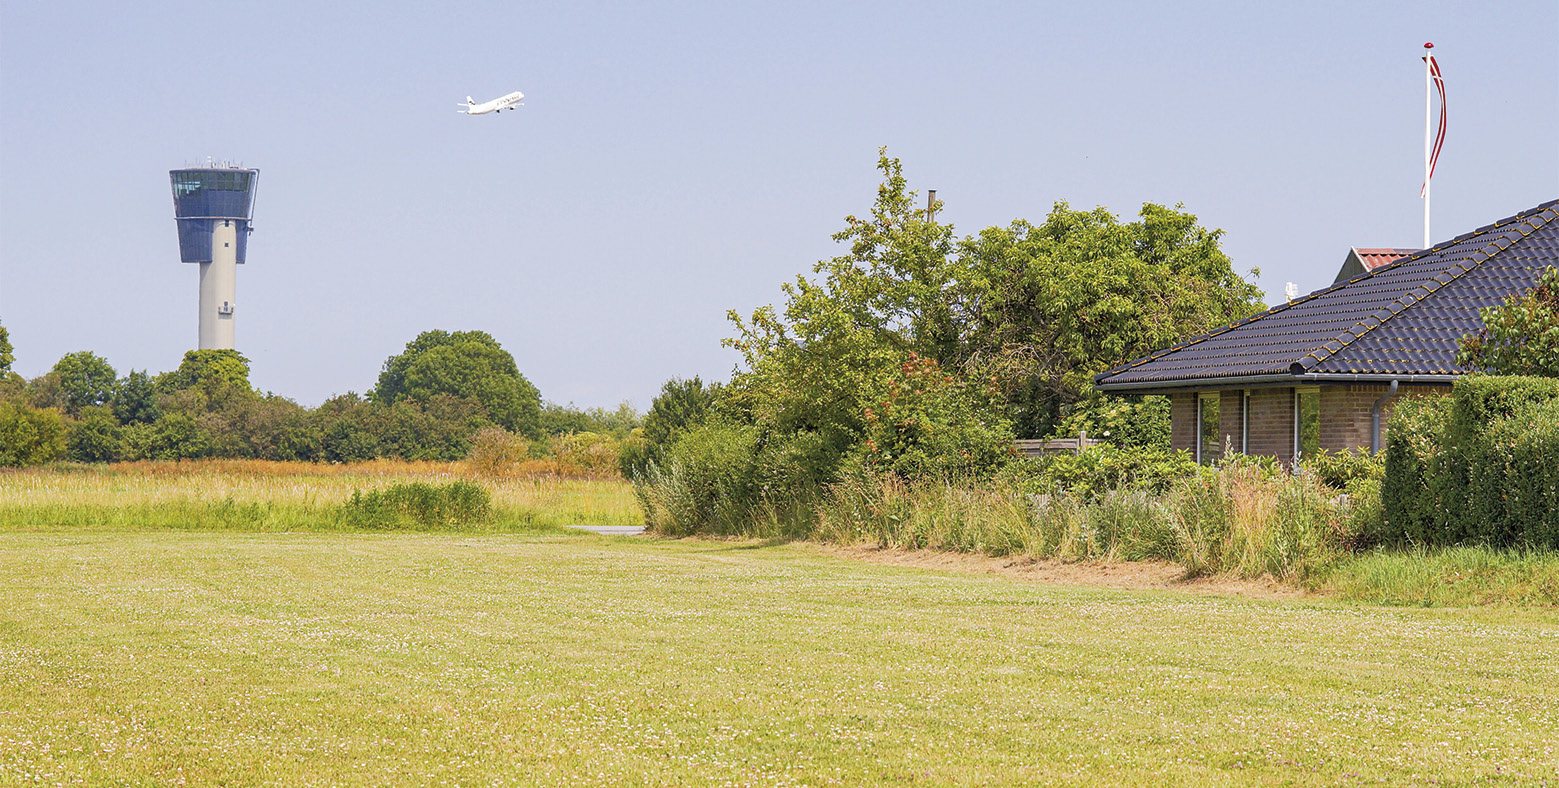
[{"x": 172, "y": 658}]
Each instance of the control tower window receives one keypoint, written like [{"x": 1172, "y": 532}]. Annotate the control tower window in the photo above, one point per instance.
[{"x": 186, "y": 183}]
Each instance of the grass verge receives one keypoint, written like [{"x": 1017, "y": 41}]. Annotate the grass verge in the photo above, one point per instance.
[{"x": 1448, "y": 577}]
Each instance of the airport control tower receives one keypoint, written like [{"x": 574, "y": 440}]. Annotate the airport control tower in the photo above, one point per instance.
[{"x": 213, "y": 206}]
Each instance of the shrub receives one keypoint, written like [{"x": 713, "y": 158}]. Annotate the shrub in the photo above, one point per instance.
[
  {"x": 933, "y": 424},
  {"x": 418, "y": 506},
  {"x": 1338, "y": 470},
  {"x": 1415, "y": 456},
  {"x": 708, "y": 483},
  {"x": 30, "y": 436},
  {"x": 96, "y": 437},
  {"x": 589, "y": 454},
  {"x": 1093, "y": 473},
  {"x": 1476, "y": 468},
  {"x": 1527, "y": 446},
  {"x": 495, "y": 452},
  {"x": 1132, "y": 421},
  {"x": 1490, "y": 419},
  {"x": 680, "y": 406}
]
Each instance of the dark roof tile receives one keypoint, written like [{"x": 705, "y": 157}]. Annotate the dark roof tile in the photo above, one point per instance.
[{"x": 1403, "y": 318}]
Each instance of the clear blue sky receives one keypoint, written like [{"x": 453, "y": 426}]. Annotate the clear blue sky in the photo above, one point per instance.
[{"x": 675, "y": 160}]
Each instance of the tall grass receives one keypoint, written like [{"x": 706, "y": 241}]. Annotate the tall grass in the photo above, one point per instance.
[
  {"x": 1449, "y": 577},
  {"x": 231, "y": 495},
  {"x": 1245, "y": 520},
  {"x": 419, "y": 506}
]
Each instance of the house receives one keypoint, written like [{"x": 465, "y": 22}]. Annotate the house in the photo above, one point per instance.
[
  {"x": 1321, "y": 371},
  {"x": 1362, "y": 261}
]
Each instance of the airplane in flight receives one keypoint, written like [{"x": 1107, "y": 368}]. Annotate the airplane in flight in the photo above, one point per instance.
[{"x": 496, "y": 105}]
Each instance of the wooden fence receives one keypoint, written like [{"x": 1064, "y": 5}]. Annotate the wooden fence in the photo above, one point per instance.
[{"x": 1037, "y": 448}]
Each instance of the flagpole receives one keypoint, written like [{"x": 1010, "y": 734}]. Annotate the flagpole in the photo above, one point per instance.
[{"x": 1428, "y": 91}]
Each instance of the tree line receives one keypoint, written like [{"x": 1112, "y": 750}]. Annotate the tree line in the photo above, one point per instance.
[{"x": 428, "y": 404}]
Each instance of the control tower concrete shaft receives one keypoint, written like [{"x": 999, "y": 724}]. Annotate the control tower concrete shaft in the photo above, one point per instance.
[{"x": 213, "y": 207}]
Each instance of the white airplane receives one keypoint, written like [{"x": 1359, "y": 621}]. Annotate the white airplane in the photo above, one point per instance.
[{"x": 496, "y": 105}]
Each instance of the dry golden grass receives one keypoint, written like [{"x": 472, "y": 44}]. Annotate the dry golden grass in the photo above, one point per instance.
[{"x": 164, "y": 492}]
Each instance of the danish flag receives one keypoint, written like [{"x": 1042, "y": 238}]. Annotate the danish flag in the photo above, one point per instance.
[{"x": 1439, "y": 139}]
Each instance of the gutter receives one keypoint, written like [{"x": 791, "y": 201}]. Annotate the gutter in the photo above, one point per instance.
[
  {"x": 1375, "y": 417},
  {"x": 1279, "y": 379}
]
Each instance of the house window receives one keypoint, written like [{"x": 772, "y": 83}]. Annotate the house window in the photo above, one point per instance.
[
  {"x": 1307, "y": 423},
  {"x": 1245, "y": 422},
  {"x": 1206, "y": 426}
]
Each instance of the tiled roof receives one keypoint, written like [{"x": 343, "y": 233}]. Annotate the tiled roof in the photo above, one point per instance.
[
  {"x": 1403, "y": 319},
  {"x": 1372, "y": 259}
]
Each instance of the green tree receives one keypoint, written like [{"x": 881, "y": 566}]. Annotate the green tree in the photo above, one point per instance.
[
  {"x": 96, "y": 437},
  {"x": 30, "y": 436},
  {"x": 932, "y": 424},
  {"x": 1520, "y": 336},
  {"x": 346, "y": 429},
  {"x": 85, "y": 380},
  {"x": 178, "y": 436},
  {"x": 464, "y": 365},
  {"x": 814, "y": 367},
  {"x": 135, "y": 399},
  {"x": 438, "y": 428},
  {"x": 567, "y": 420},
  {"x": 1083, "y": 292},
  {"x": 1035, "y": 311},
  {"x": 7, "y": 353},
  {"x": 680, "y": 406},
  {"x": 1134, "y": 421},
  {"x": 212, "y": 372}
]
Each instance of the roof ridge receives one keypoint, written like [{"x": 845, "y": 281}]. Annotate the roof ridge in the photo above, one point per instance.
[
  {"x": 1551, "y": 206},
  {"x": 1398, "y": 305}
]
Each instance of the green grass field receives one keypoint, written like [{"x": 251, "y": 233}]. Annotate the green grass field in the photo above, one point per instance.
[{"x": 171, "y": 658}]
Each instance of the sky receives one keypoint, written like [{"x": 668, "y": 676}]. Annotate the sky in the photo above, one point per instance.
[{"x": 677, "y": 160}]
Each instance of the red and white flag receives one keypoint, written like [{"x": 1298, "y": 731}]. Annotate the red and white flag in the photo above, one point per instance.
[{"x": 1439, "y": 139}]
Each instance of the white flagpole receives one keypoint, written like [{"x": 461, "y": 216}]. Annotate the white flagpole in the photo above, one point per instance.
[{"x": 1428, "y": 91}]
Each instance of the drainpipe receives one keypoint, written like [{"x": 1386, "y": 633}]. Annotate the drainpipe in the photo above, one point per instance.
[{"x": 1375, "y": 417}]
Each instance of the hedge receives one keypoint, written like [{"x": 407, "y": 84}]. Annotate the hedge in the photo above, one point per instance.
[{"x": 1479, "y": 467}]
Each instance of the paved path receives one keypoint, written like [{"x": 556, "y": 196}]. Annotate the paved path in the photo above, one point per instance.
[{"x": 612, "y": 530}]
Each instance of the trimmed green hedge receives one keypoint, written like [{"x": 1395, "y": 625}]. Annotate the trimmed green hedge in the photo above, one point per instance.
[{"x": 1481, "y": 466}]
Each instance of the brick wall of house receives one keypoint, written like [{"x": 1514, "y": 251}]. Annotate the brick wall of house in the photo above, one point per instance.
[
  {"x": 1182, "y": 422},
  {"x": 1345, "y": 413},
  {"x": 1345, "y": 416},
  {"x": 1272, "y": 423}
]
